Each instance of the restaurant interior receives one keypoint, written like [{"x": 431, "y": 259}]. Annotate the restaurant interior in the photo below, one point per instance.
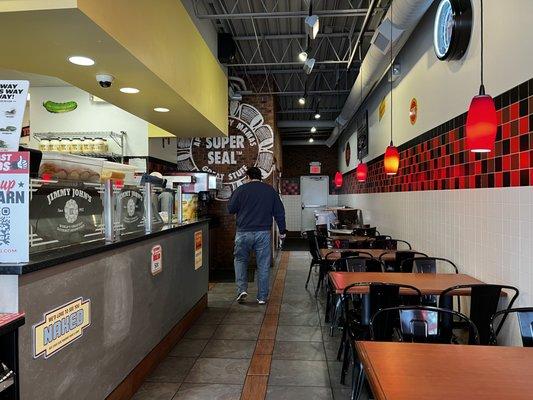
[{"x": 398, "y": 135}]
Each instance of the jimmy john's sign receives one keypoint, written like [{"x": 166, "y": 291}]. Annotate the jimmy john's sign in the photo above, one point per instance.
[{"x": 249, "y": 143}]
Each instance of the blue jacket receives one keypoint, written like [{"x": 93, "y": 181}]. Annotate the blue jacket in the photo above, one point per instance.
[{"x": 255, "y": 204}]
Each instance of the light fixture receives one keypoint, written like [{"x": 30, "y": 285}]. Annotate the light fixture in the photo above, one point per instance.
[
  {"x": 302, "y": 56},
  {"x": 312, "y": 25},
  {"x": 361, "y": 172},
  {"x": 161, "y": 109},
  {"x": 311, "y": 140},
  {"x": 313, "y": 129},
  {"x": 481, "y": 120},
  {"x": 301, "y": 100},
  {"x": 317, "y": 115},
  {"x": 81, "y": 60},
  {"x": 129, "y": 90},
  {"x": 308, "y": 65},
  {"x": 338, "y": 180},
  {"x": 391, "y": 161}
]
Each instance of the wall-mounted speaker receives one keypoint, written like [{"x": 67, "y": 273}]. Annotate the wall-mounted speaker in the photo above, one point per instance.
[{"x": 226, "y": 48}]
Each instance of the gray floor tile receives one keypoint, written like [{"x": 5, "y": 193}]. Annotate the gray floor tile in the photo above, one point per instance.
[
  {"x": 337, "y": 335},
  {"x": 335, "y": 368},
  {"x": 156, "y": 391},
  {"x": 243, "y": 318},
  {"x": 194, "y": 391},
  {"x": 303, "y": 318},
  {"x": 200, "y": 332},
  {"x": 344, "y": 393},
  {"x": 298, "y": 307},
  {"x": 331, "y": 350},
  {"x": 298, "y": 373},
  {"x": 218, "y": 370},
  {"x": 309, "y": 351},
  {"x": 172, "y": 370},
  {"x": 211, "y": 316},
  {"x": 188, "y": 348},
  {"x": 298, "y": 393},
  {"x": 229, "y": 349},
  {"x": 237, "y": 332},
  {"x": 299, "y": 333},
  {"x": 250, "y": 306}
]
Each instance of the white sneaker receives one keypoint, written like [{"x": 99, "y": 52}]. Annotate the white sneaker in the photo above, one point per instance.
[
  {"x": 261, "y": 302},
  {"x": 241, "y": 298}
]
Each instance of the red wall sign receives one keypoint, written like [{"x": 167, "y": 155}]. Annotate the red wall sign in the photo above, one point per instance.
[{"x": 413, "y": 111}]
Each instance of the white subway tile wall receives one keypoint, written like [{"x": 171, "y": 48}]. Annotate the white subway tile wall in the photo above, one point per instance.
[{"x": 488, "y": 233}]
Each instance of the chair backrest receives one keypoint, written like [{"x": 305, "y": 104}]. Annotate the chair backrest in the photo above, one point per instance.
[
  {"x": 421, "y": 324},
  {"x": 362, "y": 262},
  {"x": 380, "y": 295},
  {"x": 340, "y": 244},
  {"x": 382, "y": 237},
  {"x": 365, "y": 231},
  {"x": 314, "y": 249},
  {"x": 429, "y": 265},
  {"x": 322, "y": 230},
  {"x": 525, "y": 323},
  {"x": 402, "y": 255},
  {"x": 484, "y": 299},
  {"x": 385, "y": 244}
]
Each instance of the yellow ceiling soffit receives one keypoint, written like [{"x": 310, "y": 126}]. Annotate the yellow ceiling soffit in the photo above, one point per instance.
[
  {"x": 155, "y": 49},
  {"x": 157, "y": 132}
]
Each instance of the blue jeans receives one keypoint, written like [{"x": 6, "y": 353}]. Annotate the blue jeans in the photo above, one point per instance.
[{"x": 260, "y": 243}]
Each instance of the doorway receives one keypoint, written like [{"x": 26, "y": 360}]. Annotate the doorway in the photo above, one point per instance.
[{"x": 314, "y": 197}]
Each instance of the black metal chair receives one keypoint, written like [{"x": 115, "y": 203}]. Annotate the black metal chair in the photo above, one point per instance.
[
  {"x": 389, "y": 243},
  {"x": 524, "y": 316},
  {"x": 484, "y": 300},
  {"x": 357, "y": 311},
  {"x": 314, "y": 250},
  {"x": 420, "y": 324},
  {"x": 400, "y": 256},
  {"x": 382, "y": 237}
]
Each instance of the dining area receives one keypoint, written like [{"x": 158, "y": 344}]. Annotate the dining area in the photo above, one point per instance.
[{"x": 415, "y": 325}]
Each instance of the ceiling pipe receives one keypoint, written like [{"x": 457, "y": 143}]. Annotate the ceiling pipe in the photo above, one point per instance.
[{"x": 407, "y": 14}]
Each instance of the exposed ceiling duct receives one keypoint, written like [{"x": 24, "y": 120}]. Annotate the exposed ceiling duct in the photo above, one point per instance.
[{"x": 407, "y": 14}]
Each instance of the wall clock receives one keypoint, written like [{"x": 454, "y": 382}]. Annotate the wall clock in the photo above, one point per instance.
[{"x": 452, "y": 29}]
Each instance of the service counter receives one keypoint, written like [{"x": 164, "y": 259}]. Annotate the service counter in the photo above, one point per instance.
[{"x": 96, "y": 311}]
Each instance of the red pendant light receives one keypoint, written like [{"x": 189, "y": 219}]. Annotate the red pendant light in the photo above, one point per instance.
[
  {"x": 481, "y": 120},
  {"x": 391, "y": 160},
  {"x": 338, "y": 180},
  {"x": 361, "y": 172}
]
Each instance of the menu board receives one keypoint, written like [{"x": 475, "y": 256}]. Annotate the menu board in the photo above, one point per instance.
[{"x": 64, "y": 214}]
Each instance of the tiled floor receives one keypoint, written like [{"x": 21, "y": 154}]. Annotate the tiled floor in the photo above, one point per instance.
[{"x": 213, "y": 360}]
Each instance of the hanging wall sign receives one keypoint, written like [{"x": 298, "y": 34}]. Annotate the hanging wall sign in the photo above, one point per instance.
[
  {"x": 249, "y": 143},
  {"x": 362, "y": 136},
  {"x": 14, "y": 206},
  {"x": 347, "y": 153},
  {"x": 413, "y": 111},
  {"x": 156, "y": 256},
  {"x": 198, "y": 245},
  {"x": 61, "y": 327},
  {"x": 382, "y": 107},
  {"x": 13, "y": 95}
]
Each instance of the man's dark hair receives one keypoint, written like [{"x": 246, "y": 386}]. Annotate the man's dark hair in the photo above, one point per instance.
[{"x": 254, "y": 173}]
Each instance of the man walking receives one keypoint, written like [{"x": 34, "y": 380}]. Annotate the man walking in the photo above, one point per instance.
[{"x": 255, "y": 204}]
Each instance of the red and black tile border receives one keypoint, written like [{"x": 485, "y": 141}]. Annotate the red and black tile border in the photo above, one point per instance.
[{"x": 438, "y": 159}]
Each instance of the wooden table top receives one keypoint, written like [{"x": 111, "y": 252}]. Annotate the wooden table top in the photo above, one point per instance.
[
  {"x": 350, "y": 238},
  {"x": 336, "y": 253},
  {"x": 407, "y": 371},
  {"x": 427, "y": 283}
]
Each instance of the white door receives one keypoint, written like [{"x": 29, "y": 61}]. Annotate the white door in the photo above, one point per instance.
[{"x": 314, "y": 196}]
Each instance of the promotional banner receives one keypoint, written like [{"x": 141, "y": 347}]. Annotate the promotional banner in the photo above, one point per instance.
[
  {"x": 198, "y": 256},
  {"x": 157, "y": 260},
  {"x": 14, "y": 206},
  {"x": 13, "y": 95}
]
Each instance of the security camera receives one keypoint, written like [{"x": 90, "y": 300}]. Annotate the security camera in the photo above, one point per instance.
[{"x": 105, "y": 80}]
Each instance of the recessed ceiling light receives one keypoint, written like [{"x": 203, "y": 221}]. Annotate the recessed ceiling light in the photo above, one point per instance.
[
  {"x": 313, "y": 129},
  {"x": 129, "y": 90},
  {"x": 81, "y": 60},
  {"x": 161, "y": 109},
  {"x": 311, "y": 140}
]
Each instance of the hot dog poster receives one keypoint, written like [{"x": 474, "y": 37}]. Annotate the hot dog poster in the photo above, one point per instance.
[{"x": 13, "y": 95}]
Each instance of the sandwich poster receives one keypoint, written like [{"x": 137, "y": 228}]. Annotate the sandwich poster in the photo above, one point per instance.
[{"x": 13, "y": 96}]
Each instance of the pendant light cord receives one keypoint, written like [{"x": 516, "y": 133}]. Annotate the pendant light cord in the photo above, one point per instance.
[
  {"x": 391, "y": 70},
  {"x": 482, "y": 86}
]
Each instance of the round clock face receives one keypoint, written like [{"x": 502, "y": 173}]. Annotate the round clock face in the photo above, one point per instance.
[
  {"x": 453, "y": 26},
  {"x": 444, "y": 23}
]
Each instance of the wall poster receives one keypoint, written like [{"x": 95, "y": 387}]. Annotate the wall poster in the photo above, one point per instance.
[
  {"x": 13, "y": 95},
  {"x": 249, "y": 143},
  {"x": 362, "y": 135}
]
